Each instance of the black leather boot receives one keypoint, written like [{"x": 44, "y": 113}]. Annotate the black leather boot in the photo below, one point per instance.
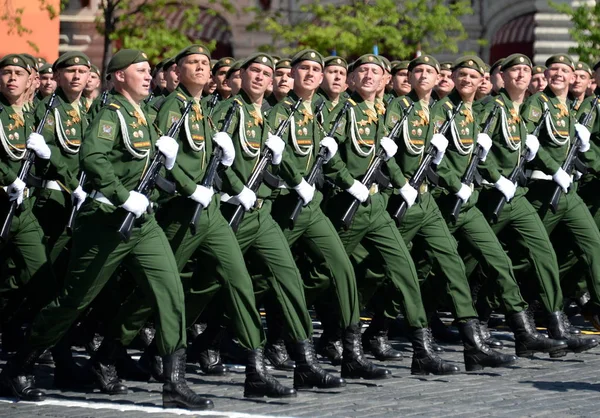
[
  {"x": 17, "y": 380},
  {"x": 476, "y": 353},
  {"x": 176, "y": 392},
  {"x": 259, "y": 382},
  {"x": 308, "y": 373},
  {"x": 103, "y": 367},
  {"x": 529, "y": 341},
  {"x": 151, "y": 362},
  {"x": 558, "y": 329},
  {"x": 277, "y": 354},
  {"x": 425, "y": 360},
  {"x": 205, "y": 350},
  {"x": 441, "y": 332},
  {"x": 329, "y": 346},
  {"x": 375, "y": 340},
  {"x": 487, "y": 336},
  {"x": 354, "y": 363}
]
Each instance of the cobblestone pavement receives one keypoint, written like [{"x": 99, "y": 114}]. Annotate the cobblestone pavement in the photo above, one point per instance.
[{"x": 541, "y": 386}]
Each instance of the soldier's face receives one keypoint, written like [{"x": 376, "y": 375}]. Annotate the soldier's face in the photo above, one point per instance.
[
  {"x": 445, "y": 83},
  {"x": 47, "y": 84},
  {"x": 400, "y": 82},
  {"x": 486, "y": 85},
  {"x": 171, "y": 77},
  {"x": 93, "y": 83},
  {"x": 367, "y": 78},
  {"x": 592, "y": 87},
  {"x": 135, "y": 80},
  {"x": 73, "y": 79},
  {"x": 194, "y": 70},
  {"x": 159, "y": 79},
  {"x": 219, "y": 79},
  {"x": 234, "y": 82},
  {"x": 283, "y": 81},
  {"x": 14, "y": 81},
  {"x": 423, "y": 78},
  {"x": 334, "y": 79},
  {"x": 517, "y": 78},
  {"x": 466, "y": 81},
  {"x": 538, "y": 83},
  {"x": 559, "y": 77},
  {"x": 307, "y": 75},
  {"x": 256, "y": 78},
  {"x": 582, "y": 80},
  {"x": 496, "y": 79}
]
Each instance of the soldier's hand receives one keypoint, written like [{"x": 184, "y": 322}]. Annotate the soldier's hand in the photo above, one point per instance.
[
  {"x": 440, "y": 143},
  {"x": 15, "y": 191},
  {"x": 485, "y": 142},
  {"x": 464, "y": 193},
  {"x": 168, "y": 147},
  {"x": 506, "y": 187},
  {"x": 37, "y": 144},
  {"x": 584, "y": 135},
  {"x": 223, "y": 140},
  {"x": 359, "y": 191},
  {"x": 78, "y": 197},
  {"x": 562, "y": 179},
  {"x": 409, "y": 194},
  {"x": 136, "y": 203},
  {"x": 305, "y": 191},
  {"x": 389, "y": 146},
  {"x": 247, "y": 198},
  {"x": 202, "y": 195},
  {"x": 276, "y": 145},
  {"x": 331, "y": 145},
  {"x": 533, "y": 145}
]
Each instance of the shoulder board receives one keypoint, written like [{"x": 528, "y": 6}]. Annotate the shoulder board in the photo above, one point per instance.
[
  {"x": 449, "y": 104},
  {"x": 181, "y": 97},
  {"x": 287, "y": 102},
  {"x": 544, "y": 97},
  {"x": 352, "y": 102},
  {"x": 113, "y": 106},
  {"x": 500, "y": 102},
  {"x": 238, "y": 102},
  {"x": 157, "y": 105}
]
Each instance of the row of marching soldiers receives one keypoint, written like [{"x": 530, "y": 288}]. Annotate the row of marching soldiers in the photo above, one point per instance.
[{"x": 331, "y": 193}]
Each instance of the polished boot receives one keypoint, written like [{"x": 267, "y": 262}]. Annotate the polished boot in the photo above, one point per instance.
[
  {"x": 441, "y": 332},
  {"x": 529, "y": 341},
  {"x": 375, "y": 340},
  {"x": 103, "y": 367},
  {"x": 354, "y": 363},
  {"x": 308, "y": 373},
  {"x": 151, "y": 362},
  {"x": 17, "y": 380},
  {"x": 205, "y": 350},
  {"x": 176, "y": 392},
  {"x": 329, "y": 346},
  {"x": 476, "y": 353},
  {"x": 425, "y": 360},
  {"x": 259, "y": 382},
  {"x": 277, "y": 354},
  {"x": 487, "y": 336},
  {"x": 558, "y": 329}
]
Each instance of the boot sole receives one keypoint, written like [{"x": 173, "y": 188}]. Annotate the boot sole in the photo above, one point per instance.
[
  {"x": 584, "y": 348},
  {"x": 479, "y": 367},
  {"x": 357, "y": 376},
  {"x": 182, "y": 406},
  {"x": 425, "y": 373},
  {"x": 266, "y": 395},
  {"x": 554, "y": 352},
  {"x": 310, "y": 386}
]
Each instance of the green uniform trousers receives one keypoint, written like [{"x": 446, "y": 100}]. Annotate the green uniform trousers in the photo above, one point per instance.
[
  {"x": 530, "y": 235},
  {"x": 97, "y": 252},
  {"x": 579, "y": 227},
  {"x": 215, "y": 245},
  {"x": 374, "y": 229},
  {"x": 319, "y": 239}
]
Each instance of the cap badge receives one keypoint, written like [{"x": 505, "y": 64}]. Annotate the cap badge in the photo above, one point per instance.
[{"x": 76, "y": 60}]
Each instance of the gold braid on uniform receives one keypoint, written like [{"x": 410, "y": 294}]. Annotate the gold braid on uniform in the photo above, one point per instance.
[
  {"x": 127, "y": 140},
  {"x": 246, "y": 146},
  {"x": 551, "y": 129},
  {"x": 358, "y": 142},
  {"x": 68, "y": 146},
  {"x": 14, "y": 153},
  {"x": 512, "y": 145}
]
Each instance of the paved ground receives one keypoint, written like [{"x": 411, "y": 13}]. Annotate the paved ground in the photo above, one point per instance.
[{"x": 568, "y": 387}]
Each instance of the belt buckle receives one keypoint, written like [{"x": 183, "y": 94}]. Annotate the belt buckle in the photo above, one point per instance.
[
  {"x": 423, "y": 188},
  {"x": 26, "y": 193},
  {"x": 258, "y": 204},
  {"x": 374, "y": 189}
]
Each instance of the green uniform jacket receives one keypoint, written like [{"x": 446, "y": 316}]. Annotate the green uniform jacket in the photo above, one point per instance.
[
  {"x": 594, "y": 127},
  {"x": 64, "y": 135},
  {"x": 107, "y": 154}
]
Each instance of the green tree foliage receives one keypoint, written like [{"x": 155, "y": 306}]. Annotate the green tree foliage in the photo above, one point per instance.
[
  {"x": 585, "y": 30},
  {"x": 398, "y": 28}
]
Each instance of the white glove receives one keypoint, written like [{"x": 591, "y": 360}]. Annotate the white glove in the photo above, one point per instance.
[
  {"x": 78, "y": 197},
  {"x": 507, "y": 187},
  {"x": 331, "y": 145},
  {"x": 577, "y": 175},
  {"x": 359, "y": 191},
  {"x": 37, "y": 144},
  {"x": 202, "y": 195},
  {"x": 409, "y": 194},
  {"x": 276, "y": 145},
  {"x": 15, "y": 190},
  {"x": 562, "y": 179},
  {"x": 440, "y": 143},
  {"x": 247, "y": 198},
  {"x": 389, "y": 146},
  {"x": 533, "y": 145},
  {"x": 305, "y": 191},
  {"x": 136, "y": 203},
  {"x": 486, "y": 144},
  {"x": 223, "y": 140},
  {"x": 464, "y": 193},
  {"x": 168, "y": 147},
  {"x": 584, "y": 134}
]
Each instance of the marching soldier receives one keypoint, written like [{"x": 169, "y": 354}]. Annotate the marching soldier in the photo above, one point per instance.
[
  {"x": 47, "y": 82},
  {"x": 92, "y": 87},
  {"x": 400, "y": 84},
  {"x": 538, "y": 79},
  {"x": 578, "y": 90},
  {"x": 333, "y": 86},
  {"x": 496, "y": 77},
  {"x": 233, "y": 78},
  {"x": 445, "y": 84}
]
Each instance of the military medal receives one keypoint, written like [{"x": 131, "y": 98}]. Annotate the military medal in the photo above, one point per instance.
[{"x": 367, "y": 130}]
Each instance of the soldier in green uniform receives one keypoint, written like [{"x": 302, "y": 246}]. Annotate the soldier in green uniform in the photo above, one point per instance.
[
  {"x": 495, "y": 76},
  {"x": 578, "y": 90},
  {"x": 63, "y": 133},
  {"x": 555, "y": 140},
  {"x": 47, "y": 82},
  {"x": 538, "y": 79},
  {"x": 25, "y": 241},
  {"x": 445, "y": 84},
  {"x": 400, "y": 84},
  {"x": 172, "y": 80},
  {"x": 92, "y": 87},
  {"x": 30, "y": 102},
  {"x": 333, "y": 85},
  {"x": 117, "y": 149},
  {"x": 385, "y": 93},
  {"x": 219, "y": 72},
  {"x": 282, "y": 83},
  {"x": 484, "y": 93},
  {"x": 233, "y": 78}
]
